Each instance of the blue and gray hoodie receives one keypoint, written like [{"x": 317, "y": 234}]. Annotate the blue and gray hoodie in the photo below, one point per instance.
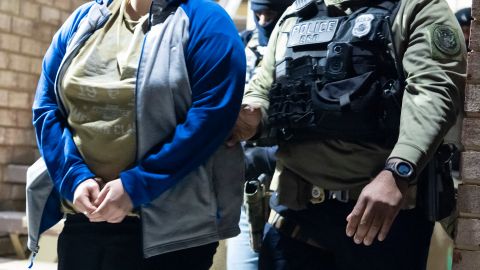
[{"x": 190, "y": 82}]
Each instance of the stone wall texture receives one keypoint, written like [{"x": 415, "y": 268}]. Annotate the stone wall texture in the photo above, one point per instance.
[{"x": 467, "y": 239}]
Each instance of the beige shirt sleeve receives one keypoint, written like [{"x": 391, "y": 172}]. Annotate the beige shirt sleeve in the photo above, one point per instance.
[
  {"x": 260, "y": 84},
  {"x": 434, "y": 61}
]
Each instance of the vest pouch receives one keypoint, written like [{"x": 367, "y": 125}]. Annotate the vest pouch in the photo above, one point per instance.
[
  {"x": 293, "y": 108},
  {"x": 290, "y": 102},
  {"x": 350, "y": 108}
]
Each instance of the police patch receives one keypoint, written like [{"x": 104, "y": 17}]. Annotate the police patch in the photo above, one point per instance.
[
  {"x": 363, "y": 25},
  {"x": 312, "y": 32},
  {"x": 445, "y": 39}
]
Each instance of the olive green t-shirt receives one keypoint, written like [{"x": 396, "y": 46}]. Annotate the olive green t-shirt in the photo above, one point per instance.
[
  {"x": 99, "y": 94},
  {"x": 98, "y": 91}
]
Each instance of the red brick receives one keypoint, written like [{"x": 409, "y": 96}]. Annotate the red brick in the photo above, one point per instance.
[
  {"x": 471, "y": 129},
  {"x": 50, "y": 15},
  {"x": 475, "y": 36},
  {"x": 24, "y": 155},
  {"x": 63, "y": 4},
  {"x": 3, "y": 136},
  {"x": 44, "y": 32},
  {"x": 31, "y": 47},
  {"x": 46, "y": 2},
  {"x": 4, "y": 191},
  {"x": 473, "y": 75},
  {"x": 19, "y": 100},
  {"x": 27, "y": 82},
  {"x": 4, "y": 156},
  {"x": 469, "y": 165},
  {"x": 77, "y": 3},
  {"x": 17, "y": 80},
  {"x": 23, "y": 27},
  {"x": 3, "y": 59},
  {"x": 476, "y": 10},
  {"x": 9, "y": 42},
  {"x": 469, "y": 199},
  {"x": 5, "y": 22},
  {"x": 10, "y": 6},
  {"x": 18, "y": 192},
  {"x": 8, "y": 79},
  {"x": 14, "y": 205},
  {"x": 17, "y": 136},
  {"x": 24, "y": 118},
  {"x": 468, "y": 232},
  {"x": 8, "y": 118},
  {"x": 15, "y": 174},
  {"x": 30, "y": 10},
  {"x": 472, "y": 98},
  {"x": 36, "y": 65},
  {"x": 3, "y": 98},
  {"x": 19, "y": 62},
  {"x": 470, "y": 261}
]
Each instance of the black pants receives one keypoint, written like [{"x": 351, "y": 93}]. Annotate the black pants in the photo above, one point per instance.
[
  {"x": 405, "y": 248},
  {"x": 83, "y": 245}
]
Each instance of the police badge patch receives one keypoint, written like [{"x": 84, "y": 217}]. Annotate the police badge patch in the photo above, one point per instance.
[
  {"x": 363, "y": 25},
  {"x": 446, "y": 39}
]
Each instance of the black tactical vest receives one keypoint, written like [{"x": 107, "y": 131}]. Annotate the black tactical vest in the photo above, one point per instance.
[{"x": 340, "y": 78}]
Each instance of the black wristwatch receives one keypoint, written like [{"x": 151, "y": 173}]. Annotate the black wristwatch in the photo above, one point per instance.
[{"x": 402, "y": 170}]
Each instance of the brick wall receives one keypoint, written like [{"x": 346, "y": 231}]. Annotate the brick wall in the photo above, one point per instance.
[
  {"x": 26, "y": 29},
  {"x": 468, "y": 228}
]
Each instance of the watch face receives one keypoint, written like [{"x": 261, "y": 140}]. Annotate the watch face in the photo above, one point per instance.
[{"x": 404, "y": 169}]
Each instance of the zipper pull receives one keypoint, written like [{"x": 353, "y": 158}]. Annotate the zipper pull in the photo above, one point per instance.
[{"x": 34, "y": 254}]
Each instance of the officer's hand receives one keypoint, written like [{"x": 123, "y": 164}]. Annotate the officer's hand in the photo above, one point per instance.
[
  {"x": 376, "y": 209},
  {"x": 113, "y": 202},
  {"x": 246, "y": 125},
  {"x": 85, "y": 195}
]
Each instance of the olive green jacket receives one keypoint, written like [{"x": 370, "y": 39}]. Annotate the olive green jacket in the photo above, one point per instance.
[{"x": 435, "y": 77}]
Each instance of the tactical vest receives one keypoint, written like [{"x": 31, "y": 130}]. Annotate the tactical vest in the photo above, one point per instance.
[{"x": 339, "y": 78}]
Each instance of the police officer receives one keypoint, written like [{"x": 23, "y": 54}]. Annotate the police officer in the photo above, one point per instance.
[{"x": 358, "y": 95}]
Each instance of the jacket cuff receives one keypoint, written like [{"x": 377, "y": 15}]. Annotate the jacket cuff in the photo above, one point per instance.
[
  {"x": 251, "y": 100},
  {"x": 79, "y": 175},
  {"x": 410, "y": 153},
  {"x": 133, "y": 186}
]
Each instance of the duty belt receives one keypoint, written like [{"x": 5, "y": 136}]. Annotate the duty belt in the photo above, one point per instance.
[
  {"x": 291, "y": 229},
  {"x": 319, "y": 195}
]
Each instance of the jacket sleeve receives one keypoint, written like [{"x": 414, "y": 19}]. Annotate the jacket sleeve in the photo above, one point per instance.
[
  {"x": 256, "y": 93},
  {"x": 434, "y": 60},
  {"x": 65, "y": 165},
  {"x": 215, "y": 60},
  {"x": 259, "y": 85}
]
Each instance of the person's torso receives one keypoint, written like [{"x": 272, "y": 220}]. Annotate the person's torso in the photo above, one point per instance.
[
  {"x": 99, "y": 93},
  {"x": 342, "y": 46},
  {"x": 201, "y": 207}
]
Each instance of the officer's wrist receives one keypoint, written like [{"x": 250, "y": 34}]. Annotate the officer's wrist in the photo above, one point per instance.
[{"x": 402, "y": 170}]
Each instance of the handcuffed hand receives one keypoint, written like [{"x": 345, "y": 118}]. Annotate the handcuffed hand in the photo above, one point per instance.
[
  {"x": 85, "y": 195},
  {"x": 113, "y": 203},
  {"x": 246, "y": 125},
  {"x": 376, "y": 209}
]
